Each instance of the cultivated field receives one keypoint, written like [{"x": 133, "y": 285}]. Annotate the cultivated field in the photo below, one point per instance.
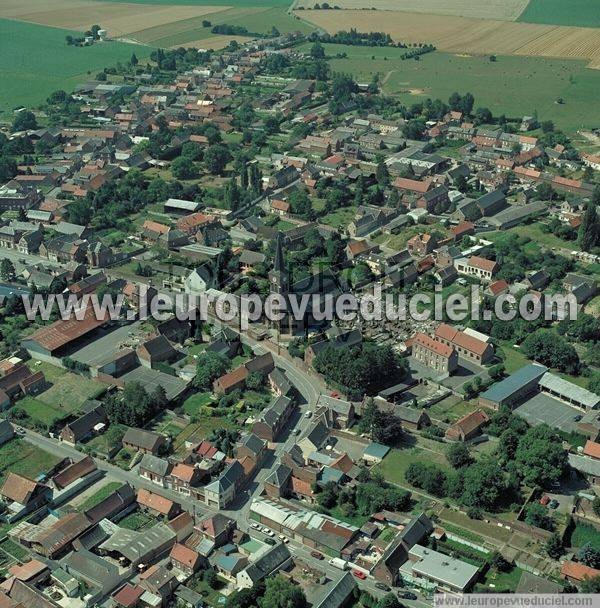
[
  {"x": 503, "y": 10},
  {"x": 511, "y": 85},
  {"x": 585, "y": 13},
  {"x": 36, "y": 61},
  {"x": 118, "y": 20},
  {"x": 470, "y": 36}
]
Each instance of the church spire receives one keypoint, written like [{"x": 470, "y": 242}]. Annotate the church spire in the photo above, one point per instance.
[{"x": 279, "y": 265}]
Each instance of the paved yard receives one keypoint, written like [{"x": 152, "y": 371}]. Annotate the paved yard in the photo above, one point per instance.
[
  {"x": 544, "y": 408},
  {"x": 107, "y": 342}
]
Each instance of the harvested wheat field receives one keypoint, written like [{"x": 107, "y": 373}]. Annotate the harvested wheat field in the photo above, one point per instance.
[
  {"x": 120, "y": 19},
  {"x": 473, "y": 36},
  {"x": 502, "y": 10}
]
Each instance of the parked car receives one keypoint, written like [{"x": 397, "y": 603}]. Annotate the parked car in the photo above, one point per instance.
[
  {"x": 553, "y": 504},
  {"x": 270, "y": 541},
  {"x": 382, "y": 586},
  {"x": 308, "y": 414},
  {"x": 316, "y": 555},
  {"x": 408, "y": 595},
  {"x": 360, "y": 575}
]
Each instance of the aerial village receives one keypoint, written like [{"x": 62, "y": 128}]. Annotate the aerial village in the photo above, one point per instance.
[{"x": 194, "y": 463}]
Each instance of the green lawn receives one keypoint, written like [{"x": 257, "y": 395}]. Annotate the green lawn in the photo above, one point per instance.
[
  {"x": 584, "y": 533},
  {"x": 37, "y": 61},
  {"x": 472, "y": 529},
  {"x": 194, "y": 403},
  {"x": 451, "y": 408},
  {"x": 21, "y": 457},
  {"x": 535, "y": 233},
  {"x": 96, "y": 498},
  {"x": 514, "y": 86},
  {"x": 18, "y": 552},
  {"x": 502, "y": 581},
  {"x": 585, "y": 13},
  {"x": 40, "y": 412},
  {"x": 69, "y": 391},
  {"x": 137, "y": 521},
  {"x": 394, "y": 465}
]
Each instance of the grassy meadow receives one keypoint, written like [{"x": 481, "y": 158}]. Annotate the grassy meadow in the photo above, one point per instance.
[
  {"x": 514, "y": 86},
  {"x": 36, "y": 61},
  {"x": 584, "y": 13}
]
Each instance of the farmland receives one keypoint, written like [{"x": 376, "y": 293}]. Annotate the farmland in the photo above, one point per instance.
[
  {"x": 502, "y": 10},
  {"x": 511, "y": 85},
  {"x": 36, "y": 61},
  {"x": 575, "y": 12},
  {"x": 470, "y": 36}
]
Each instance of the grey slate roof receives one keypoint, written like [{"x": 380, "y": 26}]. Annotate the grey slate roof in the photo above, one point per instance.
[
  {"x": 268, "y": 562},
  {"x": 156, "y": 465}
]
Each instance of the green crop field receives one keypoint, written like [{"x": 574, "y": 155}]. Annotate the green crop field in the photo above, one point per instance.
[
  {"x": 36, "y": 61},
  {"x": 514, "y": 86},
  {"x": 23, "y": 458},
  {"x": 585, "y": 13},
  {"x": 254, "y": 19}
]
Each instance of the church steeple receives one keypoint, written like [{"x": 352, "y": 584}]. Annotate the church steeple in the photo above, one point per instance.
[{"x": 279, "y": 276}]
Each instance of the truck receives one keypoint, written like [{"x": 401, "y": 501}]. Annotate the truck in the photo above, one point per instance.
[{"x": 339, "y": 563}]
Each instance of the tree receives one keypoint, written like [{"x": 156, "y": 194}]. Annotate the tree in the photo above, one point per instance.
[
  {"x": 554, "y": 546},
  {"x": 537, "y": 515},
  {"x": 209, "y": 366},
  {"x": 210, "y": 577},
  {"x": 134, "y": 60},
  {"x": 183, "y": 168},
  {"x": 216, "y": 158},
  {"x": 255, "y": 380},
  {"x": 484, "y": 485},
  {"x": 590, "y": 585},
  {"x": 540, "y": 458},
  {"x": 282, "y": 593},
  {"x": 7, "y": 270},
  {"x": 206, "y": 23},
  {"x": 24, "y": 121},
  {"x": 389, "y": 600},
  {"x": 458, "y": 455},
  {"x": 300, "y": 204},
  {"x": 382, "y": 174},
  {"x": 589, "y": 231},
  {"x": 596, "y": 506},
  {"x": 551, "y": 349},
  {"x": 590, "y": 556},
  {"x": 317, "y": 51}
]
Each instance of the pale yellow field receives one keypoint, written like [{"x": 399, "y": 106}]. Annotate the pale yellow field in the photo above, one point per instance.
[
  {"x": 502, "y": 10},
  {"x": 472, "y": 36},
  {"x": 119, "y": 19}
]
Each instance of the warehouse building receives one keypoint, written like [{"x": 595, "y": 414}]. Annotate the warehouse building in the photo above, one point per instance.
[{"x": 515, "y": 388}]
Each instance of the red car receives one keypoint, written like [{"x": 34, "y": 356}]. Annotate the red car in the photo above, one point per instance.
[{"x": 358, "y": 574}]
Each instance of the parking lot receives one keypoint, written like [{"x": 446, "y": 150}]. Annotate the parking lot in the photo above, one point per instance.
[{"x": 544, "y": 408}]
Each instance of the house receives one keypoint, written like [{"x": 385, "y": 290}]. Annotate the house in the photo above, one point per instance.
[
  {"x": 273, "y": 419},
  {"x": 466, "y": 346},
  {"x": 491, "y": 203},
  {"x": 433, "y": 354},
  {"x": 218, "y": 529},
  {"x": 412, "y": 418},
  {"x": 199, "y": 280},
  {"x": 94, "y": 419},
  {"x": 386, "y": 570},
  {"x": 22, "y": 495},
  {"x": 184, "y": 559},
  {"x": 586, "y": 466},
  {"x": 154, "y": 469},
  {"x": 160, "y": 582},
  {"x": 476, "y": 266},
  {"x": 156, "y": 350},
  {"x": 183, "y": 477},
  {"x": 468, "y": 426},
  {"x": 252, "y": 447},
  {"x": 339, "y": 593},
  {"x": 339, "y": 412},
  {"x": 140, "y": 440},
  {"x": 432, "y": 567},
  {"x": 576, "y": 572},
  {"x": 421, "y": 244},
  {"x": 221, "y": 492},
  {"x": 156, "y": 504},
  {"x": 273, "y": 560}
]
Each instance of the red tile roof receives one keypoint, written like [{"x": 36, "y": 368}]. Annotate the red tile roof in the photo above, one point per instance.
[
  {"x": 578, "y": 571},
  {"x": 592, "y": 449},
  {"x": 430, "y": 344}
]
